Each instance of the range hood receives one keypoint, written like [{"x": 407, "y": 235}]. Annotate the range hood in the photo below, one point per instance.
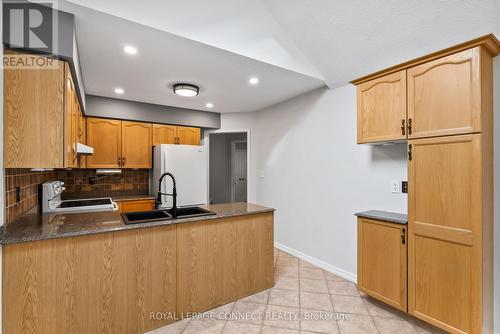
[{"x": 82, "y": 149}]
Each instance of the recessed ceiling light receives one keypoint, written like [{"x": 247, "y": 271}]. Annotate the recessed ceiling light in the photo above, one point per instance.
[
  {"x": 119, "y": 91},
  {"x": 186, "y": 90},
  {"x": 131, "y": 50},
  {"x": 209, "y": 105},
  {"x": 253, "y": 80}
]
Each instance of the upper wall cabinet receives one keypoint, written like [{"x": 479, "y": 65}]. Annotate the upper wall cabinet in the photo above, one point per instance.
[
  {"x": 164, "y": 134},
  {"x": 437, "y": 95},
  {"x": 40, "y": 111},
  {"x": 444, "y": 95},
  {"x": 119, "y": 144},
  {"x": 382, "y": 108},
  {"x": 136, "y": 145},
  {"x": 74, "y": 125},
  {"x": 104, "y": 135},
  {"x": 171, "y": 134},
  {"x": 188, "y": 135}
]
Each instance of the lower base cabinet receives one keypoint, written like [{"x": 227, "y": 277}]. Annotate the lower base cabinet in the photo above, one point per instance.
[
  {"x": 382, "y": 261},
  {"x": 103, "y": 283},
  {"x": 134, "y": 281}
]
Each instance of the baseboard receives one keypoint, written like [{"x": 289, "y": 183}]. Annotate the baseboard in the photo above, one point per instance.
[{"x": 323, "y": 265}]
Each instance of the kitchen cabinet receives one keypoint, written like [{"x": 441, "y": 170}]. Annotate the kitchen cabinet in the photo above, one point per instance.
[
  {"x": 171, "y": 134},
  {"x": 437, "y": 95},
  {"x": 382, "y": 108},
  {"x": 101, "y": 283},
  {"x": 449, "y": 128},
  {"x": 74, "y": 123},
  {"x": 34, "y": 116},
  {"x": 188, "y": 135},
  {"x": 382, "y": 256},
  {"x": 104, "y": 135},
  {"x": 447, "y": 240},
  {"x": 164, "y": 134},
  {"x": 222, "y": 260},
  {"x": 136, "y": 145},
  {"x": 112, "y": 281},
  {"x": 444, "y": 95},
  {"x": 136, "y": 205},
  {"x": 42, "y": 117},
  {"x": 118, "y": 144}
]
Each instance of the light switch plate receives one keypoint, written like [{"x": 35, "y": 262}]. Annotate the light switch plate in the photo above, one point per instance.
[{"x": 395, "y": 187}]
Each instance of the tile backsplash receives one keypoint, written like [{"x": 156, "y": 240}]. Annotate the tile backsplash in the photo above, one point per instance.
[
  {"x": 129, "y": 182},
  {"x": 26, "y": 183}
]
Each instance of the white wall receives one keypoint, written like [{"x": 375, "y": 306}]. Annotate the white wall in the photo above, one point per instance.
[
  {"x": 315, "y": 174},
  {"x": 317, "y": 177}
]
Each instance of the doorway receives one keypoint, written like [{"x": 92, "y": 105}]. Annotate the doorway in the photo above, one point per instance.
[{"x": 228, "y": 160}]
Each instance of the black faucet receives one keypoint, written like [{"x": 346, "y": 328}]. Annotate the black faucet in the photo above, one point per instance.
[{"x": 173, "y": 194}]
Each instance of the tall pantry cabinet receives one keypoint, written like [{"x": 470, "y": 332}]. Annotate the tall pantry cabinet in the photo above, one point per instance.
[{"x": 448, "y": 125}]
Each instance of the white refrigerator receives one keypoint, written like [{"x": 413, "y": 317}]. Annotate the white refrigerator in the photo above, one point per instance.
[{"x": 189, "y": 165}]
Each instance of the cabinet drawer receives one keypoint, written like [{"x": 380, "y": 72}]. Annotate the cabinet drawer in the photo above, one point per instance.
[
  {"x": 134, "y": 206},
  {"x": 382, "y": 256}
]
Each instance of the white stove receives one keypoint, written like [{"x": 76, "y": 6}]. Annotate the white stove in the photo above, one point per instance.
[{"x": 51, "y": 201}]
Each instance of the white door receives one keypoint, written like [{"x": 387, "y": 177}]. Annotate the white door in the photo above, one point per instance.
[{"x": 239, "y": 171}]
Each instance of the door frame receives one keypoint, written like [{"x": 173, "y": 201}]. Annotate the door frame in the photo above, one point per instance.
[
  {"x": 233, "y": 149},
  {"x": 206, "y": 143}
]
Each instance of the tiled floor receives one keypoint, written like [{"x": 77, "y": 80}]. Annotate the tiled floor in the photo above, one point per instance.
[{"x": 306, "y": 300}]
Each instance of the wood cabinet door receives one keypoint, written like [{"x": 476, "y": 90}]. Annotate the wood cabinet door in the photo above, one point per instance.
[
  {"x": 136, "y": 145},
  {"x": 445, "y": 232},
  {"x": 444, "y": 96},
  {"x": 136, "y": 206},
  {"x": 382, "y": 258},
  {"x": 382, "y": 108},
  {"x": 223, "y": 260},
  {"x": 188, "y": 135},
  {"x": 104, "y": 135},
  {"x": 33, "y": 116},
  {"x": 164, "y": 134},
  {"x": 70, "y": 120}
]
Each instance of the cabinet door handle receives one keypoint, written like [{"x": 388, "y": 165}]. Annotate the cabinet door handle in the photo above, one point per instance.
[
  {"x": 410, "y": 126},
  {"x": 123, "y": 161},
  {"x": 410, "y": 154},
  {"x": 119, "y": 161},
  {"x": 403, "y": 236},
  {"x": 403, "y": 127}
]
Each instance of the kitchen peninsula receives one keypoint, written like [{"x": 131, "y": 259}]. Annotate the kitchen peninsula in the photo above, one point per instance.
[{"x": 91, "y": 273}]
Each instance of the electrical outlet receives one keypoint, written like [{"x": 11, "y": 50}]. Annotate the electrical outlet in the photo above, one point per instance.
[
  {"x": 405, "y": 187},
  {"x": 395, "y": 187}
]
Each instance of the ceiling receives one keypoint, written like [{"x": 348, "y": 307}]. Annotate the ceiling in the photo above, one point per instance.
[
  {"x": 297, "y": 45},
  {"x": 164, "y": 59}
]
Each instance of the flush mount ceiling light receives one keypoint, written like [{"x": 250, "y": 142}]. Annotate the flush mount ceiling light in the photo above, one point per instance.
[
  {"x": 119, "y": 91},
  {"x": 187, "y": 90},
  {"x": 209, "y": 105},
  {"x": 253, "y": 81},
  {"x": 131, "y": 50}
]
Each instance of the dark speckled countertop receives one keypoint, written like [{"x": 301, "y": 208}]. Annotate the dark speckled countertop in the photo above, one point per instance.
[
  {"x": 397, "y": 218},
  {"x": 34, "y": 226}
]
